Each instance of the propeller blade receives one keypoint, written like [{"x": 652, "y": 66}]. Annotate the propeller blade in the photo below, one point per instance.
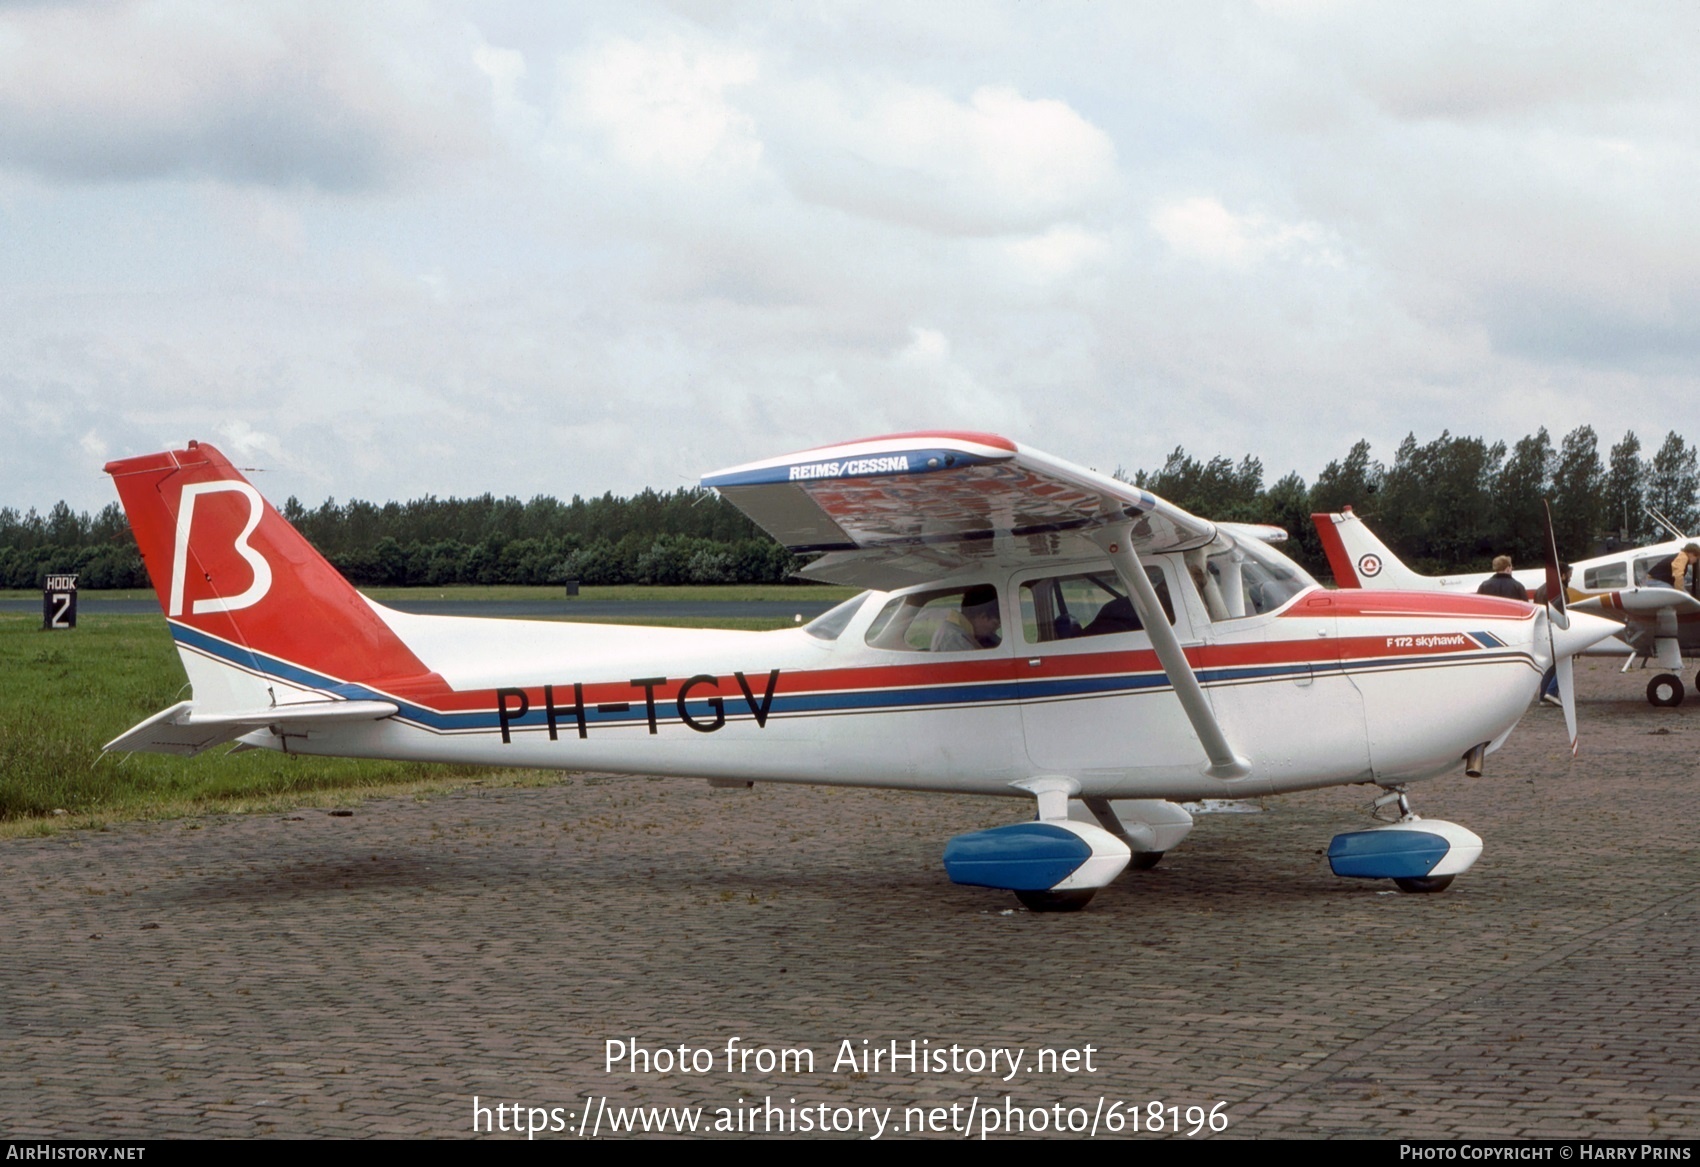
[
  {"x": 1555, "y": 578},
  {"x": 1567, "y": 698}
]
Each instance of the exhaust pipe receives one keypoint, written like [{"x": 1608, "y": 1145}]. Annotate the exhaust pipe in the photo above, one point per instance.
[{"x": 1473, "y": 760}]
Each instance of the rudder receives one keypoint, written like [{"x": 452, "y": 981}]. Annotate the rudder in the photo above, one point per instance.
[
  {"x": 251, "y": 603},
  {"x": 1359, "y": 559}
]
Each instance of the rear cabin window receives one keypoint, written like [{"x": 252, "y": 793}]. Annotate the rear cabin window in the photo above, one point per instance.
[
  {"x": 1612, "y": 575},
  {"x": 1068, "y": 607}
]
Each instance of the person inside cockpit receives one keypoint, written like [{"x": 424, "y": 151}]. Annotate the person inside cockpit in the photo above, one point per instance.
[{"x": 973, "y": 626}]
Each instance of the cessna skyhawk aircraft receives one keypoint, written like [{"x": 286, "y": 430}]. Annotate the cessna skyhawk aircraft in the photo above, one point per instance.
[
  {"x": 1660, "y": 618},
  {"x": 1032, "y": 629}
]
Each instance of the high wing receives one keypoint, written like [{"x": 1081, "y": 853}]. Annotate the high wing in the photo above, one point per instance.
[
  {"x": 1638, "y": 604},
  {"x": 905, "y": 509},
  {"x": 893, "y": 511},
  {"x": 1653, "y": 621}
]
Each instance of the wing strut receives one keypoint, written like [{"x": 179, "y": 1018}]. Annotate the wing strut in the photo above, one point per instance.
[{"x": 1118, "y": 542}]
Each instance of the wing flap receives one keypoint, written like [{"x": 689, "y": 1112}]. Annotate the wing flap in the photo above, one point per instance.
[{"x": 180, "y": 730}]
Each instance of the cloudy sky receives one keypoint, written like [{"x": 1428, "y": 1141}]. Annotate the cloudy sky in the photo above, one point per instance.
[{"x": 388, "y": 249}]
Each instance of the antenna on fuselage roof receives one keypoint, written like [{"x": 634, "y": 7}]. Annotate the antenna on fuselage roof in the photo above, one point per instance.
[{"x": 1675, "y": 532}]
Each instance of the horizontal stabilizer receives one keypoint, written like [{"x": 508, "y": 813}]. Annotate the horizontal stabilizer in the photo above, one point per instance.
[{"x": 180, "y": 730}]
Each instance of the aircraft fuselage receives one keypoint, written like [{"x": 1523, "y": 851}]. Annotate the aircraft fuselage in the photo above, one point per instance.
[{"x": 1322, "y": 691}]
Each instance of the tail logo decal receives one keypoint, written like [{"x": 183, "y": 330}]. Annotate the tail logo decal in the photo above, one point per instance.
[
  {"x": 180, "y": 561},
  {"x": 1369, "y": 566}
]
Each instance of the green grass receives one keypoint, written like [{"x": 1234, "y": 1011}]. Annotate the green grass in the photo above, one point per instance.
[{"x": 63, "y": 694}]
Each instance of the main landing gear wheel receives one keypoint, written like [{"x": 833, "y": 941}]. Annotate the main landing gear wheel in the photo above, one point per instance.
[
  {"x": 1665, "y": 690},
  {"x": 1424, "y": 883},
  {"x": 1145, "y": 860},
  {"x": 1056, "y": 901}
]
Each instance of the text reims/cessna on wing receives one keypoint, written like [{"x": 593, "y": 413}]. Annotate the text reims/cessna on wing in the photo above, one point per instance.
[
  {"x": 1658, "y": 616},
  {"x": 1033, "y": 629}
]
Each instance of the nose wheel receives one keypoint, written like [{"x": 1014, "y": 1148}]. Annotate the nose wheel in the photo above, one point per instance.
[
  {"x": 1424, "y": 883},
  {"x": 1056, "y": 901},
  {"x": 1419, "y": 855},
  {"x": 1665, "y": 690}
]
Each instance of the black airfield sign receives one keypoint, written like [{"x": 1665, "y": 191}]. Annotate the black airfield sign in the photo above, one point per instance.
[{"x": 59, "y": 602}]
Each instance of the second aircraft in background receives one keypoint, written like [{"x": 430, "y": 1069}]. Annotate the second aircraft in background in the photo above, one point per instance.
[{"x": 1660, "y": 614}]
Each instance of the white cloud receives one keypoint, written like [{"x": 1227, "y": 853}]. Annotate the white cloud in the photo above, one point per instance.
[
  {"x": 270, "y": 94},
  {"x": 1064, "y": 250},
  {"x": 998, "y": 162},
  {"x": 1299, "y": 9},
  {"x": 666, "y": 106},
  {"x": 459, "y": 247},
  {"x": 513, "y": 117},
  {"x": 1202, "y": 228},
  {"x": 932, "y": 387},
  {"x": 927, "y": 348},
  {"x": 1494, "y": 62},
  {"x": 243, "y": 441}
]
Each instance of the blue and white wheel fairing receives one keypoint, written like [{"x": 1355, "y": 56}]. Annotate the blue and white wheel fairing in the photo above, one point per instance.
[
  {"x": 1417, "y": 852},
  {"x": 1053, "y": 855}
]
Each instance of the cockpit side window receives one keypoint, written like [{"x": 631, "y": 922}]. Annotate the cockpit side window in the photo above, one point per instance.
[
  {"x": 1653, "y": 570},
  {"x": 948, "y": 620}
]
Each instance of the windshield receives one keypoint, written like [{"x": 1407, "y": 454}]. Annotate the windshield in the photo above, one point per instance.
[
  {"x": 829, "y": 624},
  {"x": 1240, "y": 577}
]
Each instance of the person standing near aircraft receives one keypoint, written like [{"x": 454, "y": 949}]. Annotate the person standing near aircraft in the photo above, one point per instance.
[
  {"x": 1681, "y": 564},
  {"x": 1502, "y": 583},
  {"x": 1539, "y": 596},
  {"x": 1549, "y": 682}
]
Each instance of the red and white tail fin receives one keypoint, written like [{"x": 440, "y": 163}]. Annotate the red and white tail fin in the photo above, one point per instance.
[
  {"x": 1360, "y": 560},
  {"x": 258, "y": 615}
]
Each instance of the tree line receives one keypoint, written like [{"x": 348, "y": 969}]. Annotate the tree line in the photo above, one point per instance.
[
  {"x": 688, "y": 536},
  {"x": 1455, "y": 502},
  {"x": 1449, "y": 504}
]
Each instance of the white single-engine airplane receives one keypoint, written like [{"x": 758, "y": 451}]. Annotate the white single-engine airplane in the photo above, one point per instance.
[
  {"x": 1033, "y": 629},
  {"x": 1660, "y": 619}
]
